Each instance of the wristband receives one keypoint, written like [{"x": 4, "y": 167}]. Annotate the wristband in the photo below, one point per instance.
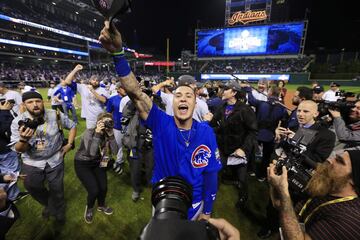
[
  {"x": 122, "y": 67},
  {"x": 121, "y": 53},
  {"x": 23, "y": 141}
]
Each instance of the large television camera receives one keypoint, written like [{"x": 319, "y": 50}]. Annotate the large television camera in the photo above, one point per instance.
[
  {"x": 344, "y": 105},
  {"x": 172, "y": 197},
  {"x": 294, "y": 158}
]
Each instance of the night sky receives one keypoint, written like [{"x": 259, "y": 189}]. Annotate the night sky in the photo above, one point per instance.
[{"x": 332, "y": 26}]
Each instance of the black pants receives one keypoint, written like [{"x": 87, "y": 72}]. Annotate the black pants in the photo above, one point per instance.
[
  {"x": 268, "y": 148},
  {"x": 53, "y": 197},
  {"x": 136, "y": 160},
  {"x": 94, "y": 179},
  {"x": 6, "y": 222}
]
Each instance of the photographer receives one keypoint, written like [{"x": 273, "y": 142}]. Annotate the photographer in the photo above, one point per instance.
[
  {"x": 323, "y": 143},
  {"x": 182, "y": 147},
  {"x": 91, "y": 162},
  {"x": 37, "y": 134},
  {"x": 138, "y": 139},
  {"x": 8, "y": 211},
  {"x": 14, "y": 96},
  {"x": 9, "y": 162},
  {"x": 348, "y": 134},
  {"x": 318, "y": 150},
  {"x": 333, "y": 209}
]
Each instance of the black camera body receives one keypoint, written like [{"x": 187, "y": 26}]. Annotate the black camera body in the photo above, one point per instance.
[
  {"x": 172, "y": 197},
  {"x": 297, "y": 163},
  {"x": 109, "y": 124},
  {"x": 31, "y": 123},
  {"x": 148, "y": 137},
  {"x": 342, "y": 105}
]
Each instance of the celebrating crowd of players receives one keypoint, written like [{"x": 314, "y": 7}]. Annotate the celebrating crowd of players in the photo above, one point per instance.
[{"x": 202, "y": 133}]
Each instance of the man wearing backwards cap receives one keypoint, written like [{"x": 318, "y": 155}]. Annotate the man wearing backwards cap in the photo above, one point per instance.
[
  {"x": 333, "y": 210},
  {"x": 182, "y": 147},
  {"x": 43, "y": 153}
]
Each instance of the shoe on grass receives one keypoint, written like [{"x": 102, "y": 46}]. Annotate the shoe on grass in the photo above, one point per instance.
[
  {"x": 88, "y": 215},
  {"x": 106, "y": 210},
  {"x": 118, "y": 168},
  {"x": 20, "y": 196},
  {"x": 135, "y": 196},
  {"x": 264, "y": 233},
  {"x": 45, "y": 213}
]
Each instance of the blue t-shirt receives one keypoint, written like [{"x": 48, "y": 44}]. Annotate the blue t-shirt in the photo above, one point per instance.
[
  {"x": 66, "y": 94},
  {"x": 112, "y": 106},
  {"x": 172, "y": 156},
  {"x": 228, "y": 110}
]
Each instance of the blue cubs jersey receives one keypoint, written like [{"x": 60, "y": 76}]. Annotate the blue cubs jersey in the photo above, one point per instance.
[
  {"x": 112, "y": 106},
  {"x": 174, "y": 158}
]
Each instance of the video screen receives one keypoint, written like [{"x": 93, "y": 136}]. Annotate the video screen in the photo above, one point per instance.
[{"x": 250, "y": 40}]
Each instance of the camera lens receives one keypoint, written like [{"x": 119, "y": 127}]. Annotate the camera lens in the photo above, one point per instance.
[{"x": 172, "y": 197}]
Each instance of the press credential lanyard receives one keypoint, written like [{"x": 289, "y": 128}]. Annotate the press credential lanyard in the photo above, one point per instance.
[{"x": 339, "y": 200}]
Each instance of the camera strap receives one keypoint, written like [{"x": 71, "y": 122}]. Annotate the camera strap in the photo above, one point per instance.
[
  {"x": 40, "y": 136},
  {"x": 58, "y": 121},
  {"x": 338, "y": 200}
]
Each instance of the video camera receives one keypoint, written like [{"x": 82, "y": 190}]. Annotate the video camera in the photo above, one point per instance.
[
  {"x": 109, "y": 124},
  {"x": 343, "y": 105},
  {"x": 31, "y": 123},
  {"x": 298, "y": 164},
  {"x": 172, "y": 197},
  {"x": 148, "y": 137}
]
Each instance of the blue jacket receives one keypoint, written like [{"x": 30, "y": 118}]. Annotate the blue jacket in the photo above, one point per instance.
[
  {"x": 112, "y": 106},
  {"x": 268, "y": 115}
]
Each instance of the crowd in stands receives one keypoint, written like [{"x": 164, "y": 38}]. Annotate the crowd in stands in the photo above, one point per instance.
[
  {"x": 267, "y": 65},
  {"x": 27, "y": 12},
  {"x": 40, "y": 73}
]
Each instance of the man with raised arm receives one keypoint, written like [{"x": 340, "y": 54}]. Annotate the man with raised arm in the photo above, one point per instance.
[
  {"x": 182, "y": 147},
  {"x": 94, "y": 95}
]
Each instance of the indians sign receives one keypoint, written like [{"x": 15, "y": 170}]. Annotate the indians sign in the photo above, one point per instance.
[{"x": 247, "y": 17}]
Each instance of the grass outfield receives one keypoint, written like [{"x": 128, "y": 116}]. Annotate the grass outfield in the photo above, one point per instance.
[{"x": 129, "y": 217}]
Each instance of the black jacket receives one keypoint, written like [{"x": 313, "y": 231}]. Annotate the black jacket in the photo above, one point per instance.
[
  {"x": 5, "y": 131},
  {"x": 239, "y": 130},
  {"x": 6, "y": 222},
  {"x": 322, "y": 145}
]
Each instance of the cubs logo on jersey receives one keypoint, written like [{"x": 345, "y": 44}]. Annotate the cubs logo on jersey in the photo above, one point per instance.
[{"x": 200, "y": 157}]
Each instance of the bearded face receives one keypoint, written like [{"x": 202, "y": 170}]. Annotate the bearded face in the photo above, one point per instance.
[{"x": 325, "y": 181}]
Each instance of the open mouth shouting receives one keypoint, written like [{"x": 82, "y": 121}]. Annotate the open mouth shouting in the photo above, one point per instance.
[{"x": 183, "y": 108}]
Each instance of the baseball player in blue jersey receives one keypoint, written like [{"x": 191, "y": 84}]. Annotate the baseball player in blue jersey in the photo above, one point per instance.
[{"x": 182, "y": 146}]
